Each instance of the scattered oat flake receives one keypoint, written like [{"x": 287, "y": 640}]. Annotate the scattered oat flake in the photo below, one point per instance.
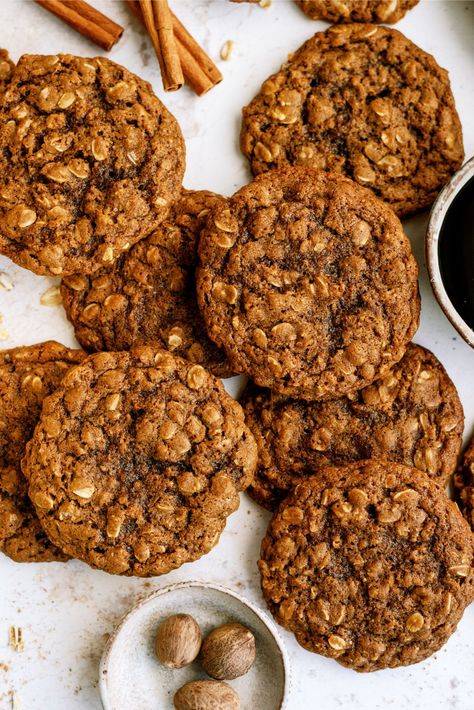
[
  {"x": 4, "y": 334},
  {"x": 5, "y": 281},
  {"x": 265, "y": 4},
  {"x": 15, "y": 639},
  {"x": 227, "y": 50},
  {"x": 16, "y": 701},
  {"x": 51, "y": 297}
]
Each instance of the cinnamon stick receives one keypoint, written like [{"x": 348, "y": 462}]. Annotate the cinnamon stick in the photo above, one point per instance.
[
  {"x": 86, "y": 20},
  {"x": 199, "y": 71},
  {"x": 195, "y": 76},
  {"x": 186, "y": 40},
  {"x": 169, "y": 47},
  {"x": 149, "y": 19},
  {"x": 159, "y": 25}
]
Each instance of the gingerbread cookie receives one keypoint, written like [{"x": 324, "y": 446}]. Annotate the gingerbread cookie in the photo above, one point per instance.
[
  {"x": 90, "y": 160},
  {"x": 356, "y": 10},
  {"x": 149, "y": 294},
  {"x": 464, "y": 484},
  {"x": 309, "y": 284},
  {"x": 412, "y": 415},
  {"x": 364, "y": 101},
  {"x": 370, "y": 564},
  {"x": 27, "y": 376},
  {"x": 137, "y": 461}
]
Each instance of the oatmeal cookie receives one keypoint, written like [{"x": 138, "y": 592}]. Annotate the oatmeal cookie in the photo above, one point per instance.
[
  {"x": 149, "y": 294},
  {"x": 464, "y": 484},
  {"x": 309, "y": 284},
  {"x": 27, "y": 376},
  {"x": 370, "y": 564},
  {"x": 364, "y": 101},
  {"x": 137, "y": 461},
  {"x": 89, "y": 162},
  {"x": 412, "y": 415},
  {"x": 389, "y": 11},
  {"x": 6, "y": 68}
]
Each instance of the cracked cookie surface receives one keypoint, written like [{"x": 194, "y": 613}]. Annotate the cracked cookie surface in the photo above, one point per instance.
[
  {"x": 90, "y": 160},
  {"x": 464, "y": 484},
  {"x": 27, "y": 376},
  {"x": 308, "y": 282},
  {"x": 137, "y": 461},
  {"x": 412, "y": 415},
  {"x": 364, "y": 101},
  {"x": 370, "y": 564},
  {"x": 149, "y": 294},
  {"x": 356, "y": 10}
]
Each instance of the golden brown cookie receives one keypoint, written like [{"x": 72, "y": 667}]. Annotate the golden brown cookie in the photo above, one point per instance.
[
  {"x": 137, "y": 461},
  {"x": 370, "y": 564},
  {"x": 464, "y": 484},
  {"x": 149, "y": 294},
  {"x": 389, "y": 11},
  {"x": 6, "y": 68},
  {"x": 27, "y": 376},
  {"x": 309, "y": 284},
  {"x": 412, "y": 415},
  {"x": 364, "y": 101},
  {"x": 90, "y": 160}
]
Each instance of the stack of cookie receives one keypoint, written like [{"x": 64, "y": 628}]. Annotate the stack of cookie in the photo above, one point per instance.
[
  {"x": 304, "y": 281},
  {"x": 135, "y": 459},
  {"x": 365, "y": 559},
  {"x": 309, "y": 284}
]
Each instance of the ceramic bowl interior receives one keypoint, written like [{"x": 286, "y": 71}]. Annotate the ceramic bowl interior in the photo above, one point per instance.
[
  {"x": 132, "y": 677},
  {"x": 437, "y": 217}
]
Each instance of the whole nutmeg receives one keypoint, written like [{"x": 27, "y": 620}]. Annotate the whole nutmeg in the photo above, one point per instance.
[
  {"x": 228, "y": 651},
  {"x": 178, "y": 641},
  {"x": 206, "y": 695}
]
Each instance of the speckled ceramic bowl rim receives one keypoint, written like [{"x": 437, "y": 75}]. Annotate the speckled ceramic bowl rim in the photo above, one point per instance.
[
  {"x": 264, "y": 618},
  {"x": 437, "y": 216}
]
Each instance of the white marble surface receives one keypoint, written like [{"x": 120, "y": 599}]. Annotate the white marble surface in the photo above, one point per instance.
[{"x": 66, "y": 611}]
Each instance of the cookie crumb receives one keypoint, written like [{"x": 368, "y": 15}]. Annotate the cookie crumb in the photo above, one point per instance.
[
  {"x": 4, "y": 334},
  {"x": 5, "y": 281},
  {"x": 15, "y": 639},
  {"x": 16, "y": 701}
]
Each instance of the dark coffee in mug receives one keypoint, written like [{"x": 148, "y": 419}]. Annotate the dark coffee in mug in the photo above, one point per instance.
[{"x": 456, "y": 252}]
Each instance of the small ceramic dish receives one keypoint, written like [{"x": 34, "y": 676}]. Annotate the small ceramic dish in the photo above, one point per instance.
[
  {"x": 449, "y": 250},
  {"x": 131, "y": 677}
]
